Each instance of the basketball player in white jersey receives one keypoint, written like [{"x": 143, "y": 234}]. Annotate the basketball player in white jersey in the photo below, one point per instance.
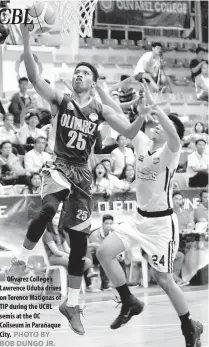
[{"x": 154, "y": 226}]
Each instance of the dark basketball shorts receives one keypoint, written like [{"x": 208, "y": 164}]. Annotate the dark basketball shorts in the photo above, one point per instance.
[{"x": 77, "y": 179}]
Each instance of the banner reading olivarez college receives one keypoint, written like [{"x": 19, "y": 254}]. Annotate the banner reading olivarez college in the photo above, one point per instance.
[{"x": 164, "y": 14}]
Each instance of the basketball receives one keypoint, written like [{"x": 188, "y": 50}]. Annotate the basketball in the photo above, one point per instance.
[{"x": 43, "y": 17}]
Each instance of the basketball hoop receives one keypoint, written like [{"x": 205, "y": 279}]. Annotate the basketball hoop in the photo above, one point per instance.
[{"x": 76, "y": 18}]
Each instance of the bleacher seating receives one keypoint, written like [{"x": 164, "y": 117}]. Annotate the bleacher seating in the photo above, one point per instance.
[{"x": 113, "y": 43}]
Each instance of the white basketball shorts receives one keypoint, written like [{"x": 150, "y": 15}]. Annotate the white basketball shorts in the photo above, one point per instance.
[{"x": 158, "y": 237}]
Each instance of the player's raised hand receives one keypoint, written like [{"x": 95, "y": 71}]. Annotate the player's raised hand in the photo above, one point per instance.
[
  {"x": 145, "y": 111},
  {"x": 150, "y": 97},
  {"x": 25, "y": 32}
]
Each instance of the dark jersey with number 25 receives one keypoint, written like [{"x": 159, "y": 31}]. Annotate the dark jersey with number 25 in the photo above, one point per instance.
[{"x": 75, "y": 129}]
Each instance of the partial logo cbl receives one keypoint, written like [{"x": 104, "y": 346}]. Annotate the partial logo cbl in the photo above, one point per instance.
[{"x": 14, "y": 16}]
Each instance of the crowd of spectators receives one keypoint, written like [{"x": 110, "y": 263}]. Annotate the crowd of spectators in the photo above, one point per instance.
[
  {"x": 26, "y": 128},
  {"x": 199, "y": 74}
]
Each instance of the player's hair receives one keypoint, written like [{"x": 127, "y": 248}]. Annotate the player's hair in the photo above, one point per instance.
[
  {"x": 23, "y": 79},
  {"x": 6, "y": 115},
  {"x": 107, "y": 217},
  {"x": 203, "y": 127},
  {"x": 39, "y": 138},
  {"x": 124, "y": 77},
  {"x": 177, "y": 123},
  {"x": 123, "y": 173},
  {"x": 201, "y": 193},
  {"x": 155, "y": 44},
  {"x": 91, "y": 67},
  {"x": 200, "y": 140},
  {"x": 200, "y": 49},
  {"x": 177, "y": 192}
]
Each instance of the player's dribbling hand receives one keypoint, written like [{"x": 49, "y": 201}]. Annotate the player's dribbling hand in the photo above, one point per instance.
[{"x": 25, "y": 32}]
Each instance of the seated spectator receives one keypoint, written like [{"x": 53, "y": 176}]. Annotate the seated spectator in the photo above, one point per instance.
[
  {"x": 29, "y": 132},
  {"x": 127, "y": 178},
  {"x": 185, "y": 217},
  {"x": 201, "y": 212},
  {"x": 107, "y": 164},
  {"x": 35, "y": 185},
  {"x": 101, "y": 181},
  {"x": 121, "y": 156},
  {"x": 9, "y": 133},
  {"x": 199, "y": 133},
  {"x": 39, "y": 102},
  {"x": 11, "y": 170},
  {"x": 197, "y": 63},
  {"x": 37, "y": 157},
  {"x": 197, "y": 166},
  {"x": 95, "y": 240},
  {"x": 7, "y": 130},
  {"x": 20, "y": 100},
  {"x": 114, "y": 181},
  {"x": 202, "y": 83},
  {"x": 148, "y": 67}
]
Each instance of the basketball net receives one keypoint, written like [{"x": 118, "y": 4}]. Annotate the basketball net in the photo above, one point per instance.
[{"x": 76, "y": 18}]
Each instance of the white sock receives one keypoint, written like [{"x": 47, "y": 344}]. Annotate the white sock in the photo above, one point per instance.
[
  {"x": 73, "y": 297},
  {"x": 24, "y": 254}
]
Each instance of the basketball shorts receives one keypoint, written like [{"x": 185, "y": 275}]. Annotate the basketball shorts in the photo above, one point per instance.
[
  {"x": 78, "y": 204},
  {"x": 157, "y": 237}
]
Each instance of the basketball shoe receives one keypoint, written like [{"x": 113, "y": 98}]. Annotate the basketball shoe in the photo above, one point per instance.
[
  {"x": 73, "y": 316},
  {"x": 16, "y": 271},
  {"x": 131, "y": 307},
  {"x": 192, "y": 338}
]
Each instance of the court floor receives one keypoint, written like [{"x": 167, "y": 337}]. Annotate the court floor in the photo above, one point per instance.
[{"x": 158, "y": 325}]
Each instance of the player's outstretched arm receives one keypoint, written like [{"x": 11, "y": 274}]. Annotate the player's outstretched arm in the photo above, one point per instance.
[
  {"x": 173, "y": 139},
  {"x": 40, "y": 85},
  {"x": 115, "y": 117}
]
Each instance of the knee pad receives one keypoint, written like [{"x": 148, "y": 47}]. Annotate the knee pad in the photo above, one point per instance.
[
  {"x": 78, "y": 248},
  {"x": 49, "y": 210}
]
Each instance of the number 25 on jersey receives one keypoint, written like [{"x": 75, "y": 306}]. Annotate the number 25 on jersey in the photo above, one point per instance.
[{"x": 77, "y": 140}]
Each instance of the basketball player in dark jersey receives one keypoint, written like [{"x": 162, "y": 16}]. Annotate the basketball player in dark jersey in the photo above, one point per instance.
[{"x": 68, "y": 179}]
